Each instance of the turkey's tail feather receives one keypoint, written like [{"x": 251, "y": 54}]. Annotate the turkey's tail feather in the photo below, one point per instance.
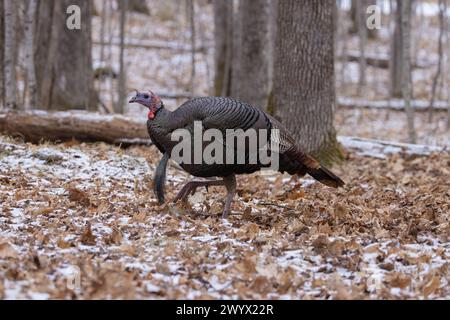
[
  {"x": 325, "y": 176},
  {"x": 315, "y": 169}
]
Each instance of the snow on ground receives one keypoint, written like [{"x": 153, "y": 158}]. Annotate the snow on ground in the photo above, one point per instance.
[{"x": 81, "y": 221}]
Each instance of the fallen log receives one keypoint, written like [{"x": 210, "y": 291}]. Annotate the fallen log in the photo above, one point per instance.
[
  {"x": 393, "y": 104},
  {"x": 380, "y": 149},
  {"x": 381, "y": 61},
  {"x": 35, "y": 126}
]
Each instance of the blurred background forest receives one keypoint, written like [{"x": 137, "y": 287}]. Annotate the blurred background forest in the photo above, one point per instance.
[{"x": 182, "y": 49}]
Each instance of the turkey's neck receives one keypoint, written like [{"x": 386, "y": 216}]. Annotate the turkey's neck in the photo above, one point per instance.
[
  {"x": 168, "y": 120},
  {"x": 162, "y": 114},
  {"x": 162, "y": 122}
]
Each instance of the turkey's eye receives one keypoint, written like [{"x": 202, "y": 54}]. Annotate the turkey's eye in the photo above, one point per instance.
[{"x": 146, "y": 96}]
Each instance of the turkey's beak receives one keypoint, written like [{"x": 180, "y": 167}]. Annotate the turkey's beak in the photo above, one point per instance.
[{"x": 132, "y": 100}]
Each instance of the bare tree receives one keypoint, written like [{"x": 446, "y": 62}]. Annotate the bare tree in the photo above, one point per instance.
[
  {"x": 223, "y": 26},
  {"x": 102, "y": 30},
  {"x": 342, "y": 32},
  {"x": 191, "y": 15},
  {"x": 272, "y": 36},
  {"x": 361, "y": 6},
  {"x": 354, "y": 12},
  {"x": 244, "y": 39},
  {"x": 29, "y": 26},
  {"x": 252, "y": 75},
  {"x": 119, "y": 106},
  {"x": 2, "y": 50},
  {"x": 63, "y": 58},
  {"x": 406, "y": 13},
  {"x": 203, "y": 43},
  {"x": 110, "y": 28},
  {"x": 236, "y": 49},
  {"x": 442, "y": 10},
  {"x": 397, "y": 62},
  {"x": 304, "y": 92},
  {"x": 10, "y": 10}
]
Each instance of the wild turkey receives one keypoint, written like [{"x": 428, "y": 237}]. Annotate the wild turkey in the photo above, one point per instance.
[{"x": 222, "y": 113}]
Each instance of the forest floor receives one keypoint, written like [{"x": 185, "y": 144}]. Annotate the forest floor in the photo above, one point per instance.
[{"x": 81, "y": 221}]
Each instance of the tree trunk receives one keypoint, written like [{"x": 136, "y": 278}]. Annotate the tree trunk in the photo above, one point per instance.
[
  {"x": 191, "y": 16},
  {"x": 354, "y": 27},
  {"x": 119, "y": 106},
  {"x": 236, "y": 49},
  {"x": 2, "y": 50},
  {"x": 442, "y": 10},
  {"x": 353, "y": 16},
  {"x": 223, "y": 26},
  {"x": 406, "y": 71},
  {"x": 304, "y": 92},
  {"x": 10, "y": 11},
  {"x": 396, "y": 68},
  {"x": 63, "y": 57},
  {"x": 272, "y": 36},
  {"x": 252, "y": 76},
  {"x": 103, "y": 17},
  {"x": 361, "y": 6},
  {"x": 29, "y": 26}
]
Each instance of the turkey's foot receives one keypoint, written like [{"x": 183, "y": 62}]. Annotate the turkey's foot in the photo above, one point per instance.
[{"x": 191, "y": 187}]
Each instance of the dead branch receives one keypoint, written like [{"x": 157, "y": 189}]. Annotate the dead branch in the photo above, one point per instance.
[
  {"x": 157, "y": 45},
  {"x": 379, "y": 60},
  {"x": 393, "y": 104}
]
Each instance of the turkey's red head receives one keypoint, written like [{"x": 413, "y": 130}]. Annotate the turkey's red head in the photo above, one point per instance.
[{"x": 148, "y": 99}]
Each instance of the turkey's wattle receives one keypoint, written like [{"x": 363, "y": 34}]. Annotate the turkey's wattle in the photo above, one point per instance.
[{"x": 223, "y": 113}]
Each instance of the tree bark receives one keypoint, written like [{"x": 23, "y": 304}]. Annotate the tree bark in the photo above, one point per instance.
[
  {"x": 361, "y": 6},
  {"x": 304, "y": 92},
  {"x": 10, "y": 11},
  {"x": 406, "y": 71},
  {"x": 236, "y": 49},
  {"x": 397, "y": 63},
  {"x": 191, "y": 16},
  {"x": 119, "y": 107},
  {"x": 252, "y": 76},
  {"x": 63, "y": 57},
  {"x": 29, "y": 26},
  {"x": 223, "y": 26},
  {"x": 2, "y": 50},
  {"x": 442, "y": 10},
  {"x": 354, "y": 27},
  {"x": 35, "y": 126},
  {"x": 103, "y": 17}
]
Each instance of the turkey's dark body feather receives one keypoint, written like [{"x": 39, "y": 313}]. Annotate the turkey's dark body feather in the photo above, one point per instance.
[{"x": 225, "y": 113}]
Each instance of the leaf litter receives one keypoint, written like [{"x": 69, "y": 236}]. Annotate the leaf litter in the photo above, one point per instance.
[{"x": 80, "y": 221}]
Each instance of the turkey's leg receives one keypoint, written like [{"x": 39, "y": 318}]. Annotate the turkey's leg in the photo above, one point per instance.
[
  {"x": 190, "y": 188},
  {"x": 160, "y": 178},
  {"x": 230, "y": 184}
]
